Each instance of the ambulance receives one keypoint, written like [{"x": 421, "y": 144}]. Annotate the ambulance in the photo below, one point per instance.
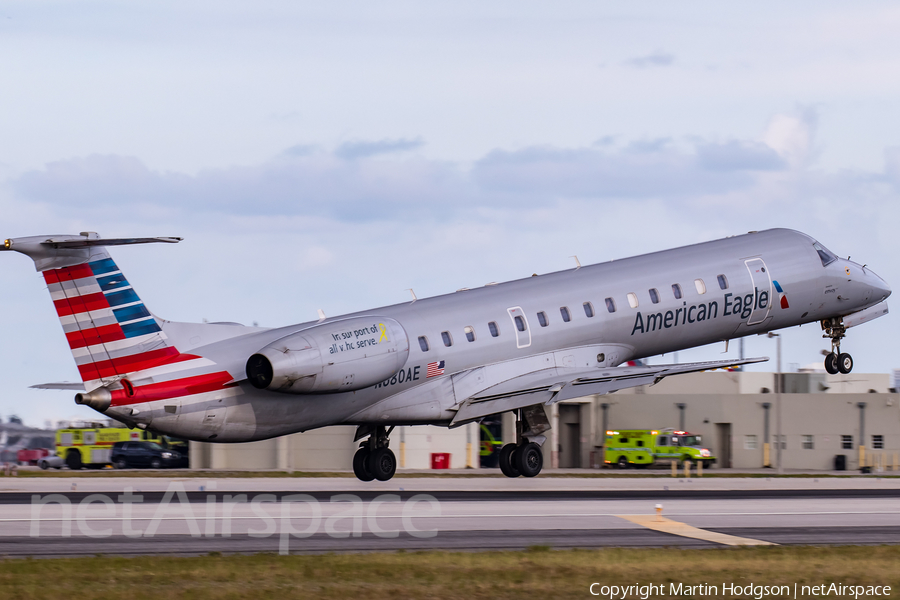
[{"x": 640, "y": 448}]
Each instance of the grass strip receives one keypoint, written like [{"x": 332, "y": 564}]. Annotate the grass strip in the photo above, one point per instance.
[{"x": 446, "y": 575}]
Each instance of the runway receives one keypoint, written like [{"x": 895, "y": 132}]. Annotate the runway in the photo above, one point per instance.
[{"x": 137, "y": 516}]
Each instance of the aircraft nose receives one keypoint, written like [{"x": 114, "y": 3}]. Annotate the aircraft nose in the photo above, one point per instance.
[{"x": 880, "y": 287}]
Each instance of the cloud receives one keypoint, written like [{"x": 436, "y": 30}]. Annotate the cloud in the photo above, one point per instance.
[
  {"x": 365, "y": 149},
  {"x": 739, "y": 155},
  {"x": 791, "y": 136},
  {"x": 311, "y": 182},
  {"x": 657, "y": 58}
]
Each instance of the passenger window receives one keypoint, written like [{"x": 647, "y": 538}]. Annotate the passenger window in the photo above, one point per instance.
[
  {"x": 701, "y": 287},
  {"x": 423, "y": 343},
  {"x": 588, "y": 309},
  {"x": 632, "y": 300},
  {"x": 542, "y": 319},
  {"x": 676, "y": 290},
  {"x": 470, "y": 333},
  {"x": 654, "y": 296},
  {"x": 723, "y": 282},
  {"x": 492, "y": 326},
  {"x": 611, "y": 305},
  {"x": 564, "y": 311},
  {"x": 520, "y": 323},
  {"x": 448, "y": 341}
]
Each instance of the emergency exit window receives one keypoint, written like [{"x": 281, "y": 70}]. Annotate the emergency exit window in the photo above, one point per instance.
[{"x": 520, "y": 322}]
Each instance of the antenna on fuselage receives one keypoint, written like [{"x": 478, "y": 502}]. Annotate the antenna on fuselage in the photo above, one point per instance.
[
  {"x": 322, "y": 316},
  {"x": 577, "y": 262},
  {"x": 413, "y": 294}
]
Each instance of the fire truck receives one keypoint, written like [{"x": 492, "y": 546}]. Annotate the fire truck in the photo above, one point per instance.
[{"x": 90, "y": 445}]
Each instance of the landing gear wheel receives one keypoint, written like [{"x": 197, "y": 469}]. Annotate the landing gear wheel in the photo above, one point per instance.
[
  {"x": 507, "y": 460},
  {"x": 359, "y": 465},
  {"x": 622, "y": 463},
  {"x": 844, "y": 363},
  {"x": 382, "y": 464},
  {"x": 831, "y": 363},
  {"x": 529, "y": 459}
]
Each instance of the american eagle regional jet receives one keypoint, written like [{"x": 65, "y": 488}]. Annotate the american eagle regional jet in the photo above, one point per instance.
[{"x": 449, "y": 360}]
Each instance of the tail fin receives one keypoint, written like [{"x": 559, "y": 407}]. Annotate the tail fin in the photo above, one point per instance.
[{"x": 109, "y": 330}]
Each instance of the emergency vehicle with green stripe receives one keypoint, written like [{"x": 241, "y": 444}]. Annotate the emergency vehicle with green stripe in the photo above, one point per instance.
[{"x": 641, "y": 448}]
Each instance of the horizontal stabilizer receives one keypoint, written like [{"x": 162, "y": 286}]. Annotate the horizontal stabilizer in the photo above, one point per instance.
[
  {"x": 548, "y": 386},
  {"x": 87, "y": 242},
  {"x": 63, "y": 385}
]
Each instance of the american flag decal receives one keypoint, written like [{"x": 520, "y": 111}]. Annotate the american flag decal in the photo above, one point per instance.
[{"x": 434, "y": 369}]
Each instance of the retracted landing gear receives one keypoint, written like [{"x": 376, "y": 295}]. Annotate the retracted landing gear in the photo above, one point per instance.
[
  {"x": 836, "y": 361},
  {"x": 374, "y": 460},
  {"x": 525, "y": 456}
]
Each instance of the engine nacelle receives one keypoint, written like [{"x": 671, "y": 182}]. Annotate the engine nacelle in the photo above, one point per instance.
[{"x": 340, "y": 356}]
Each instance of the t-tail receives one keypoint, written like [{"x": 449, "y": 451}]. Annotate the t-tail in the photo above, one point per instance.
[{"x": 109, "y": 329}]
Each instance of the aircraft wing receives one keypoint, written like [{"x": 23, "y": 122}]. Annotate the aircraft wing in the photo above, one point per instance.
[{"x": 548, "y": 386}]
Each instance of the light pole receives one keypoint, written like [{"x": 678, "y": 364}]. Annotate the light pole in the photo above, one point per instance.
[{"x": 778, "y": 435}]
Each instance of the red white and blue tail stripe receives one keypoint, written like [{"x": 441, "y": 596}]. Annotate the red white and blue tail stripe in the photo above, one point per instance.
[{"x": 110, "y": 331}]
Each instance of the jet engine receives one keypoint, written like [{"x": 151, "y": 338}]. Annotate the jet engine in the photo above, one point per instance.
[{"x": 339, "y": 356}]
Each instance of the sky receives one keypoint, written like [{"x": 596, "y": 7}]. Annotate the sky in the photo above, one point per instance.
[{"x": 335, "y": 155}]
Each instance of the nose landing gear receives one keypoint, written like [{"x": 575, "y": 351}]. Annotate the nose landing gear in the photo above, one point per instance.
[
  {"x": 374, "y": 460},
  {"x": 836, "y": 361}
]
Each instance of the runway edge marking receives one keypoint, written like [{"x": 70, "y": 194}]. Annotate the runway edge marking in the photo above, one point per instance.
[{"x": 665, "y": 525}]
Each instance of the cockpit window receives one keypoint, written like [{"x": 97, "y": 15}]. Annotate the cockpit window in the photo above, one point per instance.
[{"x": 824, "y": 254}]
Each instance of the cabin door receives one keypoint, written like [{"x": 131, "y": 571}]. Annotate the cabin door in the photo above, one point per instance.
[
  {"x": 520, "y": 326},
  {"x": 762, "y": 290}
]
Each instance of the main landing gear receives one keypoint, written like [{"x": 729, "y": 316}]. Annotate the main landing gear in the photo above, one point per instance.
[
  {"x": 836, "y": 361},
  {"x": 525, "y": 456},
  {"x": 374, "y": 460}
]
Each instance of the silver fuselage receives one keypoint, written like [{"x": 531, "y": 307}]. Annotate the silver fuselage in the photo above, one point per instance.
[{"x": 813, "y": 292}]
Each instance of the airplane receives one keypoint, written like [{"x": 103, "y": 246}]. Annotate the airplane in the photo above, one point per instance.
[{"x": 448, "y": 360}]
